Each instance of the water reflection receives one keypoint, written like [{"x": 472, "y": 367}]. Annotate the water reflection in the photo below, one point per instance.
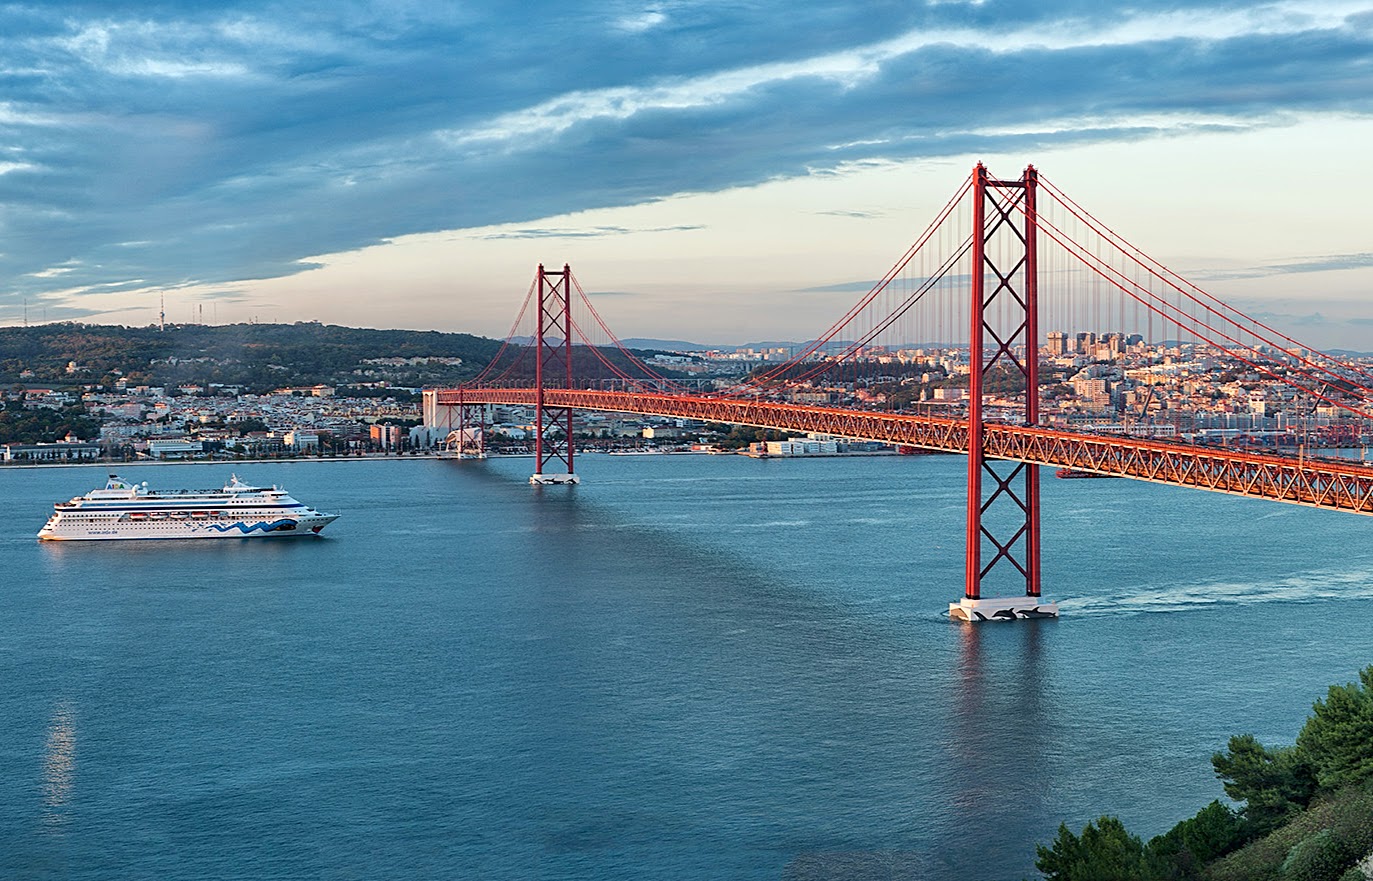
[
  {"x": 59, "y": 765},
  {"x": 163, "y": 564},
  {"x": 1000, "y": 768}
]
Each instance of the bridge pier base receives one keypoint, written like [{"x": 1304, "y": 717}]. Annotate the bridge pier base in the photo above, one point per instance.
[
  {"x": 553, "y": 479},
  {"x": 1002, "y": 609}
]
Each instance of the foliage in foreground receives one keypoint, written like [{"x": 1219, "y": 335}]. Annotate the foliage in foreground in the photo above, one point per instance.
[
  {"x": 1321, "y": 843},
  {"x": 1307, "y": 812},
  {"x": 1107, "y": 852},
  {"x": 1338, "y": 738},
  {"x": 1274, "y": 784}
]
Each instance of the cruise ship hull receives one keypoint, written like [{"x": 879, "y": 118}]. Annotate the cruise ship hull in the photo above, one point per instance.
[
  {"x": 123, "y": 511},
  {"x": 163, "y": 529}
]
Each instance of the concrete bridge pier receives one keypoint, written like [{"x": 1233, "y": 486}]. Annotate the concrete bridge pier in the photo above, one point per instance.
[{"x": 1002, "y": 609}]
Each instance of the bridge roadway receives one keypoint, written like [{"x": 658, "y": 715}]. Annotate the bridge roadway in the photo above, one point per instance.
[{"x": 1320, "y": 483}]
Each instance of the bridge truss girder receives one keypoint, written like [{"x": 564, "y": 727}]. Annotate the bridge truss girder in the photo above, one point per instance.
[{"x": 1338, "y": 486}]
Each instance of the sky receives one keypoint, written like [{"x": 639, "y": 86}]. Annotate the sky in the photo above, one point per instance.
[{"x": 713, "y": 171}]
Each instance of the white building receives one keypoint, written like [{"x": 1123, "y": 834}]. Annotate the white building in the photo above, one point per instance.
[
  {"x": 297, "y": 439},
  {"x": 802, "y": 448},
  {"x": 169, "y": 448},
  {"x": 58, "y": 452}
]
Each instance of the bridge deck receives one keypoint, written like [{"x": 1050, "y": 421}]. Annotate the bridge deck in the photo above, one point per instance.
[{"x": 1318, "y": 483}]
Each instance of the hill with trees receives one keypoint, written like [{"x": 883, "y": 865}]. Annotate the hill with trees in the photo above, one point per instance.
[
  {"x": 255, "y": 357},
  {"x": 22, "y": 424},
  {"x": 1306, "y": 812}
]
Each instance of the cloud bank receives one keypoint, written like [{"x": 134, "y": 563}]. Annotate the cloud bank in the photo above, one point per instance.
[{"x": 167, "y": 144}]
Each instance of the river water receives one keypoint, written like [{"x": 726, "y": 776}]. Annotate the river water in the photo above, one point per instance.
[{"x": 689, "y": 667}]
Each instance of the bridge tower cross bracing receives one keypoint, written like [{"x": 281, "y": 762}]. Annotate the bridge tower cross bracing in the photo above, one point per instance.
[
  {"x": 553, "y": 441},
  {"x": 471, "y": 431},
  {"x": 1003, "y": 497}
]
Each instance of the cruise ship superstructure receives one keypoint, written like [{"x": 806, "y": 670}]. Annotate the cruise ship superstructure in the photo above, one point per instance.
[{"x": 124, "y": 510}]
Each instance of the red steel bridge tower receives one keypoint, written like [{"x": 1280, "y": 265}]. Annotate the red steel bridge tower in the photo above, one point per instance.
[
  {"x": 1003, "y": 495},
  {"x": 553, "y": 369}
]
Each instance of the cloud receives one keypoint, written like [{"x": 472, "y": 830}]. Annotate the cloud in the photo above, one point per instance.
[
  {"x": 842, "y": 287},
  {"x": 643, "y": 21},
  {"x": 1328, "y": 263},
  {"x": 53, "y": 271},
  {"x": 1288, "y": 319},
  {"x": 223, "y": 295},
  {"x": 182, "y": 142},
  {"x": 594, "y": 232}
]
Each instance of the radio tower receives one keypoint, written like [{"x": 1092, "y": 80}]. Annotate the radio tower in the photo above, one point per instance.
[{"x": 161, "y": 312}]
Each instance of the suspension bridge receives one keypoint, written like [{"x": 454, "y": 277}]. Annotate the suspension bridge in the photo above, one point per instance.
[{"x": 1002, "y": 261}]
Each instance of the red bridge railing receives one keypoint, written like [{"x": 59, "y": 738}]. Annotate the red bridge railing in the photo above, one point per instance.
[{"x": 1318, "y": 483}]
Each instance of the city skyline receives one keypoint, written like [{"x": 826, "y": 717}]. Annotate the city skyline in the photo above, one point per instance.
[{"x": 392, "y": 165}]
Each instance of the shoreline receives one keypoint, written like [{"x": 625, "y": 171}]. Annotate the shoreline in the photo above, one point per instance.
[{"x": 140, "y": 463}]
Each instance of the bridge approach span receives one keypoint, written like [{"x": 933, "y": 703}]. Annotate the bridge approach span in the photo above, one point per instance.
[{"x": 1319, "y": 483}]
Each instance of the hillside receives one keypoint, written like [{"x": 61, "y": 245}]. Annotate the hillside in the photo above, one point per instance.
[
  {"x": 251, "y": 357},
  {"x": 1306, "y": 812}
]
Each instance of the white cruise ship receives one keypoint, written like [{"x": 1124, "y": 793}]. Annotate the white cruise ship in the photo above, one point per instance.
[{"x": 124, "y": 510}]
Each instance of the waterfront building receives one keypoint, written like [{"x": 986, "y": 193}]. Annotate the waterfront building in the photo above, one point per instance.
[
  {"x": 62, "y": 451},
  {"x": 175, "y": 448},
  {"x": 385, "y": 436},
  {"x": 664, "y": 432},
  {"x": 297, "y": 439},
  {"x": 801, "y": 448}
]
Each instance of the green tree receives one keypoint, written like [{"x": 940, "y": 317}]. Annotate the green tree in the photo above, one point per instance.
[
  {"x": 1273, "y": 783},
  {"x": 1319, "y": 857},
  {"x": 1179, "y": 853},
  {"x": 1338, "y": 737},
  {"x": 22, "y": 425},
  {"x": 1105, "y": 851}
]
